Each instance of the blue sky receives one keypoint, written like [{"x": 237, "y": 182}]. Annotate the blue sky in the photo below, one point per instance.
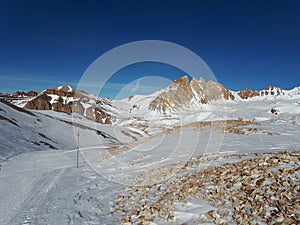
[{"x": 245, "y": 43}]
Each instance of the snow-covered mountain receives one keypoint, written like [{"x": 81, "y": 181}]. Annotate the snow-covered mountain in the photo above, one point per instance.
[
  {"x": 182, "y": 93},
  {"x": 183, "y": 101},
  {"x": 24, "y": 130},
  {"x": 182, "y": 139},
  {"x": 68, "y": 100},
  {"x": 48, "y": 119}
]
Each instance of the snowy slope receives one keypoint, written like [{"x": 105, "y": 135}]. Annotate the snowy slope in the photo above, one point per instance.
[
  {"x": 142, "y": 146},
  {"x": 23, "y": 131}
]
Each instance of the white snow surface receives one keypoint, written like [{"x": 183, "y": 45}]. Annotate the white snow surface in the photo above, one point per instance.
[{"x": 39, "y": 185}]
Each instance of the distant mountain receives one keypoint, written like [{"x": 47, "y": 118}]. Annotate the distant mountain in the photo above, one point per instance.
[
  {"x": 182, "y": 95},
  {"x": 44, "y": 120},
  {"x": 68, "y": 100},
  {"x": 269, "y": 91},
  {"x": 19, "y": 95}
]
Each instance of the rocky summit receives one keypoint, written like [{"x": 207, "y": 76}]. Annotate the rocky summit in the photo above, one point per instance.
[
  {"x": 269, "y": 91},
  {"x": 183, "y": 92}
]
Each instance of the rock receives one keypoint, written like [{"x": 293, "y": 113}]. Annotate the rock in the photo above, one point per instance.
[
  {"x": 26, "y": 94},
  {"x": 247, "y": 93},
  {"x": 181, "y": 92},
  {"x": 274, "y": 111},
  {"x": 98, "y": 115},
  {"x": 41, "y": 102},
  {"x": 249, "y": 198},
  {"x": 67, "y": 102},
  {"x": 64, "y": 91}
]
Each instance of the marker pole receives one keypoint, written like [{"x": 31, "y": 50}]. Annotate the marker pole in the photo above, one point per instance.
[{"x": 78, "y": 134}]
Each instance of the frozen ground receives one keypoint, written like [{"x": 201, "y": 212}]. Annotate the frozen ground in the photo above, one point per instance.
[{"x": 45, "y": 187}]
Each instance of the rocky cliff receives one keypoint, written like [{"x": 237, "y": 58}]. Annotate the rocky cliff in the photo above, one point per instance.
[
  {"x": 183, "y": 92},
  {"x": 268, "y": 91},
  {"x": 68, "y": 100}
]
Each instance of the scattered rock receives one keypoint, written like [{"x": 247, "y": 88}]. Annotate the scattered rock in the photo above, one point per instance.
[
  {"x": 274, "y": 111},
  {"x": 264, "y": 187}
]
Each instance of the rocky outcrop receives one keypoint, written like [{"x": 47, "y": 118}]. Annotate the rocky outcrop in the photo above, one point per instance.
[
  {"x": 271, "y": 90},
  {"x": 160, "y": 103},
  {"x": 17, "y": 96},
  {"x": 98, "y": 115},
  {"x": 215, "y": 91},
  {"x": 247, "y": 93},
  {"x": 26, "y": 94},
  {"x": 274, "y": 111},
  {"x": 268, "y": 91},
  {"x": 182, "y": 92},
  {"x": 41, "y": 102},
  {"x": 63, "y": 91},
  {"x": 68, "y": 100},
  {"x": 178, "y": 93}
]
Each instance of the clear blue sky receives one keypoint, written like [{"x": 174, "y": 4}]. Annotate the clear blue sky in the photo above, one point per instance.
[{"x": 245, "y": 43}]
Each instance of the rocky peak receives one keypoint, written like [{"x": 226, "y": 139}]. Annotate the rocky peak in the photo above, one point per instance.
[
  {"x": 183, "y": 81},
  {"x": 247, "y": 93},
  {"x": 63, "y": 91},
  {"x": 268, "y": 91},
  {"x": 177, "y": 94},
  {"x": 272, "y": 90},
  {"x": 25, "y": 94},
  {"x": 182, "y": 92}
]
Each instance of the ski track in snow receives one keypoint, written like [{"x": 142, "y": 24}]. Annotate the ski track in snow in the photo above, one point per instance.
[{"x": 46, "y": 188}]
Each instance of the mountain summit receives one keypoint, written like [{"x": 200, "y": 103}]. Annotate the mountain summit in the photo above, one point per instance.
[{"x": 183, "y": 93}]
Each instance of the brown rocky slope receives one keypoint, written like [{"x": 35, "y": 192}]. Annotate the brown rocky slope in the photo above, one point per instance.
[
  {"x": 68, "y": 100},
  {"x": 181, "y": 92}
]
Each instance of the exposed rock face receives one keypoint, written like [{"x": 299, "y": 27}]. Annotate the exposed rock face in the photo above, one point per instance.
[
  {"x": 182, "y": 92},
  {"x": 215, "y": 91},
  {"x": 60, "y": 107},
  {"x": 41, "y": 102},
  {"x": 274, "y": 111},
  {"x": 179, "y": 93},
  {"x": 27, "y": 94},
  {"x": 64, "y": 91},
  {"x": 19, "y": 95},
  {"x": 68, "y": 100},
  {"x": 247, "y": 93},
  {"x": 269, "y": 91},
  {"x": 160, "y": 103},
  {"x": 98, "y": 115}
]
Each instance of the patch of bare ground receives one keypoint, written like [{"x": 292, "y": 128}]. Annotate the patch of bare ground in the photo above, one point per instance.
[{"x": 258, "y": 188}]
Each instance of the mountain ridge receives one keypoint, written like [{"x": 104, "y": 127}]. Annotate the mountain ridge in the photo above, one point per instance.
[{"x": 181, "y": 95}]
